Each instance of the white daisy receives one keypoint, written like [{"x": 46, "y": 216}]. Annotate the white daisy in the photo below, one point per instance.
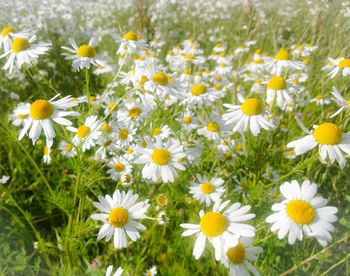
[
  {"x": 161, "y": 160},
  {"x": 23, "y": 51},
  {"x": 41, "y": 112},
  {"x": 248, "y": 115},
  {"x": 302, "y": 212},
  {"x": 120, "y": 215},
  {"x": 84, "y": 55},
  {"x": 236, "y": 257},
  {"x": 20, "y": 114},
  {"x": 130, "y": 43},
  {"x": 118, "y": 272},
  {"x": 282, "y": 61},
  {"x": 340, "y": 65},
  {"x": 4, "y": 179},
  {"x": 278, "y": 90},
  {"x": 213, "y": 128},
  {"x": 162, "y": 132},
  {"x": 118, "y": 166},
  {"x": 86, "y": 134},
  {"x": 343, "y": 103},
  {"x": 219, "y": 227},
  {"x": 5, "y": 39},
  {"x": 329, "y": 138},
  {"x": 151, "y": 272},
  {"x": 200, "y": 94},
  {"x": 207, "y": 190},
  {"x": 67, "y": 149}
]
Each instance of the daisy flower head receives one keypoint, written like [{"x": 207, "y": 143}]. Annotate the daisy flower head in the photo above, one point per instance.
[
  {"x": 41, "y": 113},
  {"x": 67, "y": 149},
  {"x": 282, "y": 61},
  {"x": 302, "y": 213},
  {"x": 331, "y": 141},
  {"x": 23, "y": 51},
  {"x": 124, "y": 135},
  {"x": 189, "y": 120},
  {"x": 118, "y": 272},
  {"x": 220, "y": 226},
  {"x": 163, "y": 132},
  {"x": 47, "y": 154},
  {"x": 341, "y": 65},
  {"x": 236, "y": 257},
  {"x": 213, "y": 128},
  {"x": 339, "y": 100},
  {"x": 82, "y": 56},
  {"x": 161, "y": 160},
  {"x": 249, "y": 115},
  {"x": 5, "y": 37},
  {"x": 151, "y": 272},
  {"x": 119, "y": 216},
  {"x": 20, "y": 114},
  {"x": 278, "y": 89},
  {"x": 132, "y": 114},
  {"x": 207, "y": 190},
  {"x": 118, "y": 166},
  {"x": 199, "y": 94},
  {"x": 130, "y": 43},
  {"x": 320, "y": 100},
  {"x": 87, "y": 134}
]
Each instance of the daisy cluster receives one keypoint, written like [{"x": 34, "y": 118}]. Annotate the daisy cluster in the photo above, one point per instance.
[{"x": 166, "y": 109}]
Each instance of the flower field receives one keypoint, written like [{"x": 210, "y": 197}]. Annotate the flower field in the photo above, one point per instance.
[{"x": 174, "y": 137}]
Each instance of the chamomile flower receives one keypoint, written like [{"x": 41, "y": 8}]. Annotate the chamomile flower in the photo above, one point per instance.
[
  {"x": 23, "y": 51},
  {"x": 250, "y": 114},
  {"x": 20, "y": 114},
  {"x": 130, "y": 43},
  {"x": 162, "y": 132},
  {"x": 118, "y": 272},
  {"x": 302, "y": 213},
  {"x": 86, "y": 134},
  {"x": 67, "y": 149},
  {"x": 220, "y": 226},
  {"x": 278, "y": 90},
  {"x": 341, "y": 65},
  {"x": 47, "y": 152},
  {"x": 132, "y": 114},
  {"x": 320, "y": 100},
  {"x": 5, "y": 39},
  {"x": 118, "y": 166},
  {"x": 343, "y": 103},
  {"x": 83, "y": 56},
  {"x": 213, "y": 127},
  {"x": 236, "y": 257},
  {"x": 152, "y": 271},
  {"x": 40, "y": 114},
  {"x": 199, "y": 94},
  {"x": 281, "y": 62},
  {"x": 331, "y": 141},
  {"x": 207, "y": 190},
  {"x": 189, "y": 121},
  {"x": 161, "y": 160},
  {"x": 120, "y": 215},
  {"x": 124, "y": 135}
]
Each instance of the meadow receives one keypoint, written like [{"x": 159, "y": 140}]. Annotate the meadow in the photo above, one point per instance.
[{"x": 174, "y": 137}]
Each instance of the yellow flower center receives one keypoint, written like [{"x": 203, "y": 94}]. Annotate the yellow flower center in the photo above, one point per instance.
[
  {"x": 130, "y": 151},
  {"x": 20, "y": 44},
  {"x": 143, "y": 79},
  {"x": 131, "y": 36},
  {"x": 46, "y": 150},
  {"x": 83, "y": 131},
  {"x": 236, "y": 254},
  {"x": 41, "y": 109},
  {"x": 123, "y": 134},
  {"x": 207, "y": 188},
  {"x": 198, "y": 89},
  {"x": 5, "y": 31},
  {"x": 239, "y": 147},
  {"x": 328, "y": 134},
  {"x": 277, "y": 83},
  {"x": 135, "y": 112},
  {"x": 68, "y": 148},
  {"x": 86, "y": 50},
  {"x": 22, "y": 116},
  {"x": 118, "y": 217},
  {"x": 347, "y": 102},
  {"x": 187, "y": 120},
  {"x": 156, "y": 131},
  {"x": 282, "y": 55},
  {"x": 106, "y": 128},
  {"x": 344, "y": 63},
  {"x": 300, "y": 211},
  {"x": 189, "y": 57},
  {"x": 160, "y": 78},
  {"x": 258, "y": 61},
  {"x": 107, "y": 143},
  {"x": 319, "y": 97},
  {"x": 161, "y": 156},
  {"x": 112, "y": 106},
  {"x": 119, "y": 167},
  {"x": 299, "y": 47},
  {"x": 213, "y": 224},
  {"x": 251, "y": 107},
  {"x": 213, "y": 126}
]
